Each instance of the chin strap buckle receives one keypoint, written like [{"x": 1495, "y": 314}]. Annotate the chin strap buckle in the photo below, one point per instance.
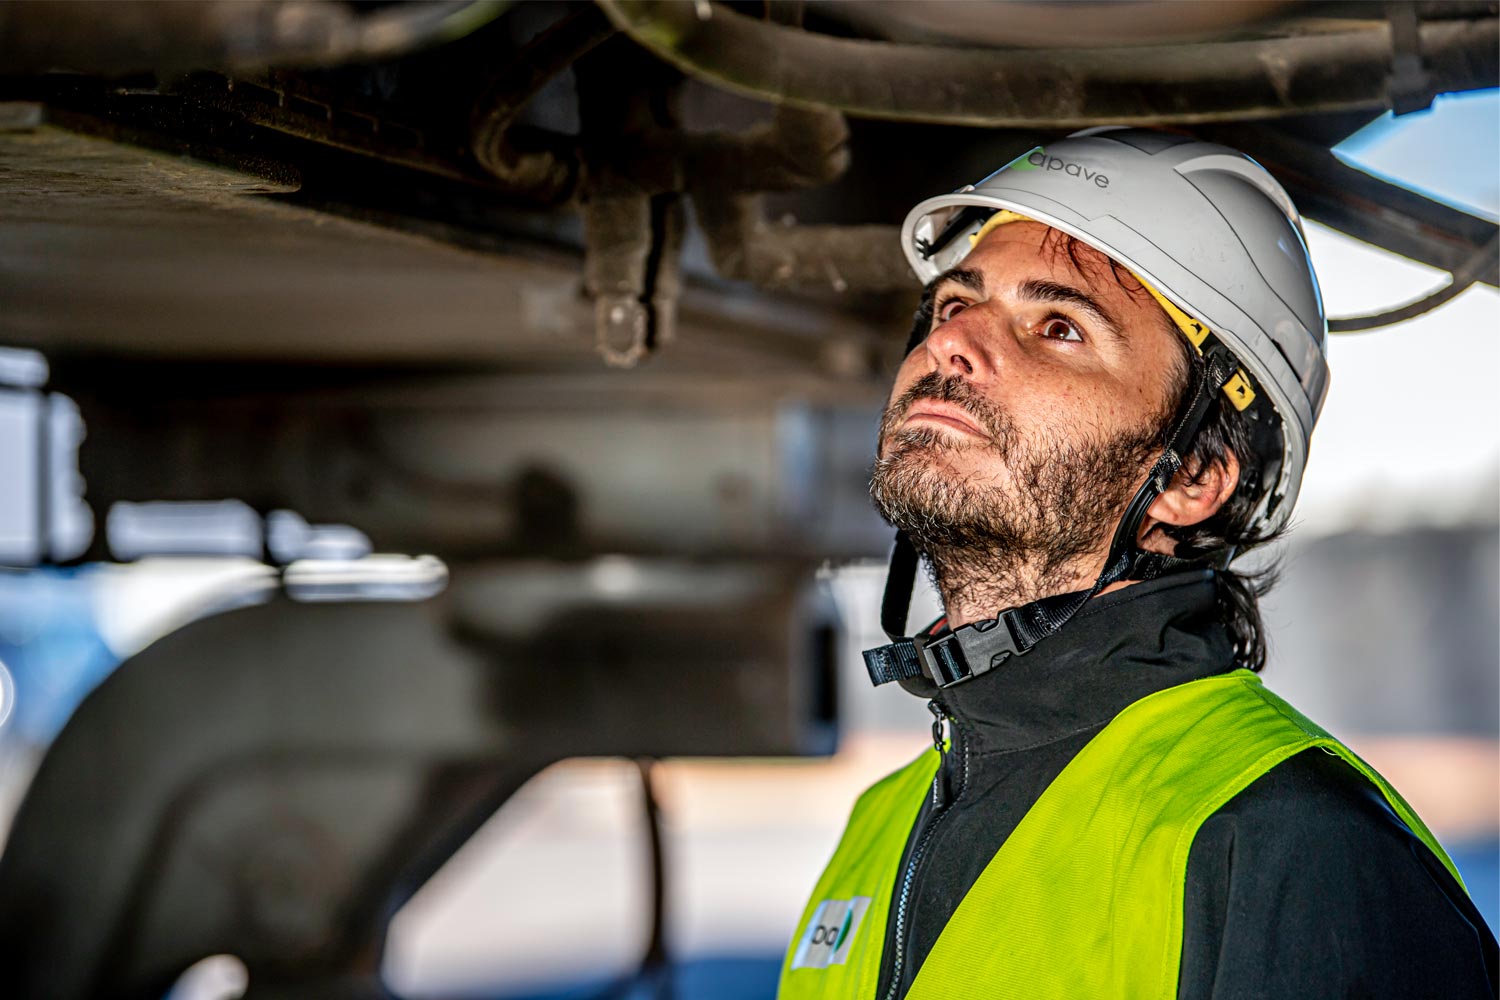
[{"x": 967, "y": 651}]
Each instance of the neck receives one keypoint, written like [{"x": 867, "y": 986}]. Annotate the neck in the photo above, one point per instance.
[{"x": 978, "y": 584}]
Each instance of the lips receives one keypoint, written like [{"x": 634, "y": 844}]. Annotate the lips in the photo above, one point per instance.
[{"x": 946, "y": 414}]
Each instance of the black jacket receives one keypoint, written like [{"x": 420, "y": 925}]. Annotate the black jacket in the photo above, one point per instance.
[{"x": 1304, "y": 885}]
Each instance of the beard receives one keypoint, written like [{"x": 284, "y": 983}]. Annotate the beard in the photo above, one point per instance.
[{"x": 998, "y": 543}]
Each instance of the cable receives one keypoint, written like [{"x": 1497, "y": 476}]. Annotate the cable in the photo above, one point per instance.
[
  {"x": 1480, "y": 267},
  {"x": 655, "y": 963}
]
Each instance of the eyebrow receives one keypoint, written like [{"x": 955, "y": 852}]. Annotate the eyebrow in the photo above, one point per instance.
[{"x": 969, "y": 277}]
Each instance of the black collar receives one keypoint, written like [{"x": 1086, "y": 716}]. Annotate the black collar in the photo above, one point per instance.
[{"x": 1119, "y": 648}]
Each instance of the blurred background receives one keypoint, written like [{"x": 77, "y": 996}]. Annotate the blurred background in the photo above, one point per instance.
[{"x": 436, "y": 436}]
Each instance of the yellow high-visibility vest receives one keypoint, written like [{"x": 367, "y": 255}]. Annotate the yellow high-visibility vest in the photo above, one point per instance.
[{"x": 1085, "y": 898}]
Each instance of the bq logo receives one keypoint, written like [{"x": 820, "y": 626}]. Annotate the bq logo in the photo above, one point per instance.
[
  {"x": 830, "y": 933},
  {"x": 1038, "y": 159}
]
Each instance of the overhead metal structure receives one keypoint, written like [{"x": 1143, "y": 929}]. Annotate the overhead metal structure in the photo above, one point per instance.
[
  {"x": 1328, "y": 67},
  {"x": 631, "y": 166},
  {"x": 105, "y": 36}
]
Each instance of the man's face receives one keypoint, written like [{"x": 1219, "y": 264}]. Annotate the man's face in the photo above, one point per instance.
[{"x": 1031, "y": 413}]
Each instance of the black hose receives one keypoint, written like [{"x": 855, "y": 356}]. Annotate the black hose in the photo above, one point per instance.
[{"x": 1142, "y": 85}]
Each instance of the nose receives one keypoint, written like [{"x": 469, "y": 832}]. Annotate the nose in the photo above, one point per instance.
[{"x": 962, "y": 346}]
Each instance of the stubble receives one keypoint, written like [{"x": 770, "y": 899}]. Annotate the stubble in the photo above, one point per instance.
[{"x": 998, "y": 541}]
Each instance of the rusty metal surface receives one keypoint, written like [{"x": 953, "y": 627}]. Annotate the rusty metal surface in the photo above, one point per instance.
[
  {"x": 1003, "y": 23},
  {"x": 110, "y": 248},
  {"x": 1344, "y": 66},
  {"x": 113, "y": 36}
]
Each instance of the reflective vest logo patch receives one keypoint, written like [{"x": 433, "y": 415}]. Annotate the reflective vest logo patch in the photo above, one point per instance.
[{"x": 830, "y": 933}]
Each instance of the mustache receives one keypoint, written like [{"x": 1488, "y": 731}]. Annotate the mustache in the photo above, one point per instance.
[{"x": 954, "y": 390}]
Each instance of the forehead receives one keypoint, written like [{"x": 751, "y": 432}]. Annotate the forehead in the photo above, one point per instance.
[{"x": 1019, "y": 250}]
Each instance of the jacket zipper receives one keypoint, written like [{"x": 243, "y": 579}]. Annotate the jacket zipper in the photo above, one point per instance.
[{"x": 942, "y": 798}]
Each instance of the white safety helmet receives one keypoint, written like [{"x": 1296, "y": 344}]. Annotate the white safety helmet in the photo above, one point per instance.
[{"x": 1205, "y": 228}]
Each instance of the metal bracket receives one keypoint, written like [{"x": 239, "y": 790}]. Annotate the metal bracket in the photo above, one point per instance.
[{"x": 1410, "y": 87}]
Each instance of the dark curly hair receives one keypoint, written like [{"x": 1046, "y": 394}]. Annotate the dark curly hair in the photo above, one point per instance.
[{"x": 1231, "y": 531}]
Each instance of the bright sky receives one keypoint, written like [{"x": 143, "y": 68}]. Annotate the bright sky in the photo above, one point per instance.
[{"x": 1410, "y": 429}]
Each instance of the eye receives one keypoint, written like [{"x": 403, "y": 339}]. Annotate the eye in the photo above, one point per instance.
[
  {"x": 1058, "y": 328},
  {"x": 949, "y": 308}
]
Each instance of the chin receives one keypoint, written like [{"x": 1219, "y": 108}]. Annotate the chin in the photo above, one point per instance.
[{"x": 949, "y": 458}]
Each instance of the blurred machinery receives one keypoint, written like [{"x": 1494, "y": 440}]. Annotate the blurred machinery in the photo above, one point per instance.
[{"x": 367, "y": 271}]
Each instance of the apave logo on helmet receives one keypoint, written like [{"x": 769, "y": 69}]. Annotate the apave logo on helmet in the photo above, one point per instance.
[{"x": 1038, "y": 159}]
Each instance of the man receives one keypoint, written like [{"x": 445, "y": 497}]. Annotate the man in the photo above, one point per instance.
[{"x": 1114, "y": 373}]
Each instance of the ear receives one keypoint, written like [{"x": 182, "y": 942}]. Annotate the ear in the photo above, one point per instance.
[{"x": 1193, "y": 497}]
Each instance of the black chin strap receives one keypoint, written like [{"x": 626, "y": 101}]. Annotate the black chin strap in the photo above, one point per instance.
[{"x": 979, "y": 647}]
